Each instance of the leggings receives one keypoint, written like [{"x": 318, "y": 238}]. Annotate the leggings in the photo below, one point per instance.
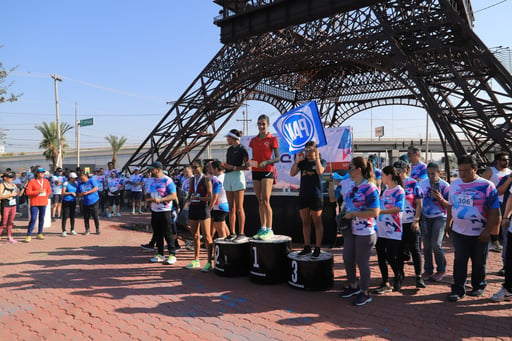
[
  {"x": 389, "y": 250},
  {"x": 68, "y": 211},
  {"x": 411, "y": 241},
  {"x": 356, "y": 250},
  {"x": 8, "y": 214}
]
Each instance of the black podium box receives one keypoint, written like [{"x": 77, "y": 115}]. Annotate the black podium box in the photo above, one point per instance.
[
  {"x": 268, "y": 259},
  {"x": 311, "y": 273},
  {"x": 232, "y": 258}
]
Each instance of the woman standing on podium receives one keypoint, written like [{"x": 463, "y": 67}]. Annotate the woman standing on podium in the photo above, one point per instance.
[
  {"x": 362, "y": 200},
  {"x": 311, "y": 198},
  {"x": 263, "y": 171}
]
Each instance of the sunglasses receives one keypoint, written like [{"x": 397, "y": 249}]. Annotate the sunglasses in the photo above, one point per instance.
[
  {"x": 353, "y": 193},
  {"x": 309, "y": 149}
]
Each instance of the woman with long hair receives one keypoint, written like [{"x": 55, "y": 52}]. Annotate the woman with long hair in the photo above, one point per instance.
[
  {"x": 234, "y": 183},
  {"x": 389, "y": 229},
  {"x": 264, "y": 146},
  {"x": 311, "y": 198},
  {"x": 362, "y": 200},
  {"x": 200, "y": 194}
]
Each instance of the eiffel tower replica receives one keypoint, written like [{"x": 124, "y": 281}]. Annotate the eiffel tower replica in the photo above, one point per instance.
[{"x": 349, "y": 56}]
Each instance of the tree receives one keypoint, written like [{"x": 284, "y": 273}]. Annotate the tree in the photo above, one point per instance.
[
  {"x": 116, "y": 144},
  {"x": 4, "y": 97},
  {"x": 49, "y": 142}
]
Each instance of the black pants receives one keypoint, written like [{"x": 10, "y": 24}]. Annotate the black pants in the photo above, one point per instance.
[
  {"x": 68, "y": 211},
  {"x": 92, "y": 211},
  {"x": 411, "y": 241},
  {"x": 508, "y": 263},
  {"x": 161, "y": 222},
  {"x": 389, "y": 250}
]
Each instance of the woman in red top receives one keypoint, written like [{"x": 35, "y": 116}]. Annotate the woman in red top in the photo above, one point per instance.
[
  {"x": 38, "y": 191},
  {"x": 263, "y": 146}
]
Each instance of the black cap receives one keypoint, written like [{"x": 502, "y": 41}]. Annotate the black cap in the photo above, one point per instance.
[
  {"x": 400, "y": 165},
  {"x": 156, "y": 164}
]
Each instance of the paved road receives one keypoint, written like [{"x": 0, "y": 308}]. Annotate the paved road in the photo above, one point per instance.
[{"x": 104, "y": 288}]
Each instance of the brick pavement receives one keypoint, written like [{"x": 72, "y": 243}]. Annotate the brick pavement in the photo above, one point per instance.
[{"x": 104, "y": 288}]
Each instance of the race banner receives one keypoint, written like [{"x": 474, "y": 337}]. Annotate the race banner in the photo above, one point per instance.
[
  {"x": 337, "y": 152},
  {"x": 299, "y": 126}
]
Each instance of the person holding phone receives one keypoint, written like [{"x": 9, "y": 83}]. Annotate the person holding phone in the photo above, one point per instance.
[
  {"x": 311, "y": 198},
  {"x": 435, "y": 204}
]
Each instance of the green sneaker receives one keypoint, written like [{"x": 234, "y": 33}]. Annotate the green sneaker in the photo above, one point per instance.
[
  {"x": 195, "y": 264},
  {"x": 267, "y": 235},
  {"x": 171, "y": 260},
  {"x": 260, "y": 232},
  {"x": 207, "y": 268}
]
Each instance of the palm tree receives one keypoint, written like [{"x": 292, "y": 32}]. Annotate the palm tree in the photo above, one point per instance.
[
  {"x": 116, "y": 144},
  {"x": 49, "y": 142}
]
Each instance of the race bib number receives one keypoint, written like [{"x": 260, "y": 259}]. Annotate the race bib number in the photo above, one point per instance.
[
  {"x": 465, "y": 201},
  {"x": 42, "y": 194}
]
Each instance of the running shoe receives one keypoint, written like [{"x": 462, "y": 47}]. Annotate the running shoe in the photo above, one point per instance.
[
  {"x": 195, "y": 264},
  {"x": 86, "y": 233},
  {"x": 147, "y": 247},
  {"x": 157, "y": 259},
  {"x": 495, "y": 246},
  {"x": 305, "y": 251},
  {"x": 133, "y": 212},
  {"x": 240, "y": 238},
  {"x": 384, "y": 288},
  {"x": 426, "y": 275},
  {"x": 118, "y": 214},
  {"x": 40, "y": 236},
  {"x": 349, "y": 292},
  {"x": 28, "y": 239},
  {"x": 12, "y": 241},
  {"x": 171, "y": 260},
  {"x": 362, "y": 299},
  {"x": 502, "y": 295},
  {"x": 64, "y": 234},
  {"x": 420, "y": 283},
  {"x": 109, "y": 215},
  {"x": 437, "y": 277},
  {"x": 207, "y": 268},
  {"x": 73, "y": 232},
  {"x": 261, "y": 231},
  {"x": 267, "y": 235},
  {"x": 316, "y": 252},
  {"x": 231, "y": 237}
]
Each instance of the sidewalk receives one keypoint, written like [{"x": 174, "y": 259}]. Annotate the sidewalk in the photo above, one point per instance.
[{"x": 104, "y": 288}]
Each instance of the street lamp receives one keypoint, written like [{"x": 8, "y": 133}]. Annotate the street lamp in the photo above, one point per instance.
[{"x": 56, "y": 79}]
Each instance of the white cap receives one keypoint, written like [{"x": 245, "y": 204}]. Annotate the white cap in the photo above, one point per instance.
[{"x": 73, "y": 175}]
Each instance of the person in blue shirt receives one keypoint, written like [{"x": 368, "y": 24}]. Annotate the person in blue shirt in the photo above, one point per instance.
[
  {"x": 88, "y": 191},
  {"x": 69, "y": 193}
]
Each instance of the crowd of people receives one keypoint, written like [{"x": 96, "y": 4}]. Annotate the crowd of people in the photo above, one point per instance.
[{"x": 395, "y": 210}]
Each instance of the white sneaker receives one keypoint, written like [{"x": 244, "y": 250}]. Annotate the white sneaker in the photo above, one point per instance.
[
  {"x": 73, "y": 232},
  {"x": 158, "y": 259},
  {"x": 64, "y": 234},
  {"x": 171, "y": 260},
  {"x": 502, "y": 295},
  {"x": 119, "y": 214},
  {"x": 109, "y": 215}
]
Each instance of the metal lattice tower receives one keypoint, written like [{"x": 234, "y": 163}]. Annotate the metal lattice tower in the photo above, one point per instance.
[{"x": 361, "y": 54}]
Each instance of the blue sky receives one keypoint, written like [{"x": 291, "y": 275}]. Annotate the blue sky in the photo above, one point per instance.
[{"x": 121, "y": 61}]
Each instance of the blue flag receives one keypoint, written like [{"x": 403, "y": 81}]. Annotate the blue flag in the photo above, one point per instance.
[{"x": 299, "y": 126}]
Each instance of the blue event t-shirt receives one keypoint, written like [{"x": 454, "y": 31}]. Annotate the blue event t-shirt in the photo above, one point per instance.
[
  {"x": 360, "y": 198},
  {"x": 90, "y": 199},
  {"x": 390, "y": 225},
  {"x": 72, "y": 188},
  {"x": 419, "y": 171},
  {"x": 432, "y": 208},
  {"x": 412, "y": 192}
]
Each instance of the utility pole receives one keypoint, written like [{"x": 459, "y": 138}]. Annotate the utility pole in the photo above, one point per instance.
[
  {"x": 56, "y": 79},
  {"x": 77, "y": 136},
  {"x": 245, "y": 121}
]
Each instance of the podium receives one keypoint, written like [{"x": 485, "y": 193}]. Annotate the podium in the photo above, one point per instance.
[
  {"x": 268, "y": 259},
  {"x": 311, "y": 273},
  {"x": 232, "y": 259}
]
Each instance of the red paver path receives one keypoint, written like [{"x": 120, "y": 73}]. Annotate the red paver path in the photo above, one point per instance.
[{"x": 104, "y": 287}]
